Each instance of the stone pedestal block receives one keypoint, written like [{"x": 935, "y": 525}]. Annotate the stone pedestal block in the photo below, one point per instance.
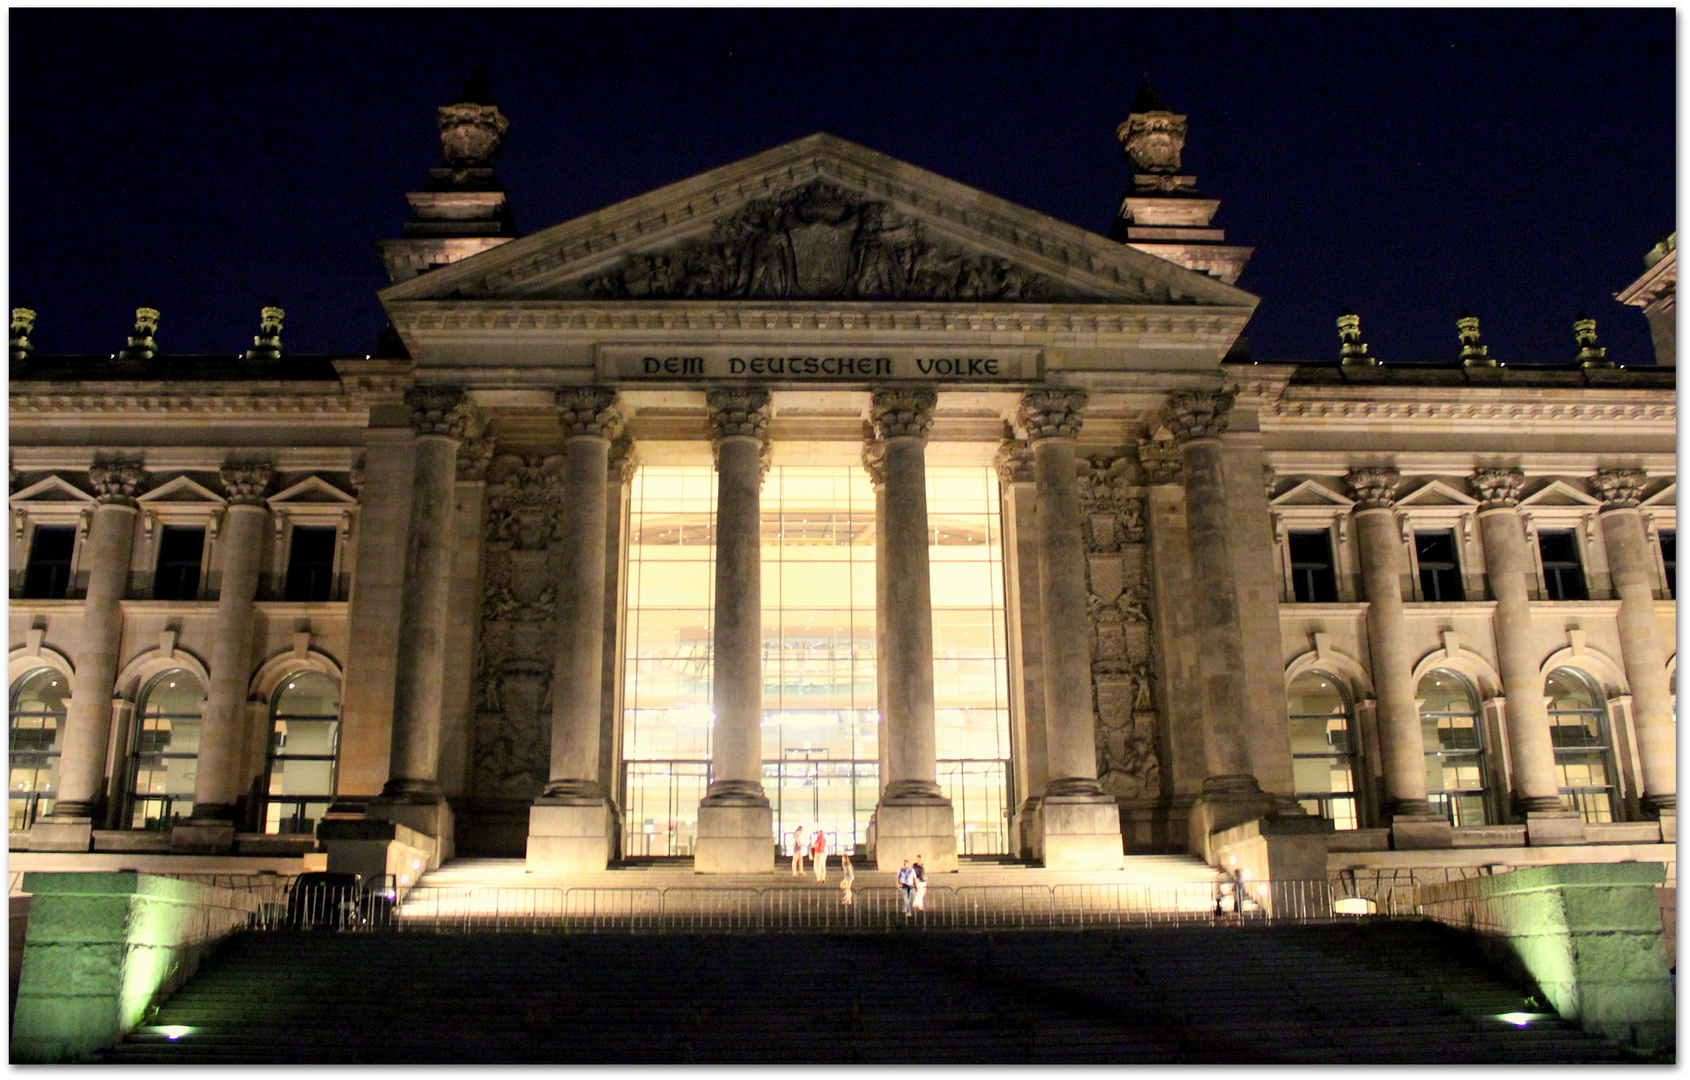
[
  {"x": 432, "y": 820},
  {"x": 906, "y": 830},
  {"x": 1288, "y": 852},
  {"x": 207, "y": 837},
  {"x": 69, "y": 834},
  {"x": 1080, "y": 833},
  {"x": 1551, "y": 827},
  {"x": 1669, "y": 826},
  {"x": 735, "y": 840},
  {"x": 570, "y": 837},
  {"x": 1026, "y": 833},
  {"x": 1414, "y": 832},
  {"x": 1217, "y": 811},
  {"x": 371, "y": 847}
]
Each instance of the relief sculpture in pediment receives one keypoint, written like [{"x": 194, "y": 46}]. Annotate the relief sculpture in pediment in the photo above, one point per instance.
[{"x": 819, "y": 241}]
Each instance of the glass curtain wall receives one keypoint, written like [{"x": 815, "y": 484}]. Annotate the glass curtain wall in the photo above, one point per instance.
[{"x": 820, "y": 720}]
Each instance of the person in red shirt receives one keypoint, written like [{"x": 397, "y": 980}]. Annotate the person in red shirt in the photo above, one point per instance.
[{"x": 818, "y": 853}]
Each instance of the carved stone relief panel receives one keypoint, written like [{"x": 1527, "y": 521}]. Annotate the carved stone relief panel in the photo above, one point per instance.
[
  {"x": 511, "y": 755},
  {"x": 1118, "y": 600}
]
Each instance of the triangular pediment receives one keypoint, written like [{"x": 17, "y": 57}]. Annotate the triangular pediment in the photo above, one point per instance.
[
  {"x": 1436, "y": 493},
  {"x": 311, "y": 490},
  {"x": 1667, "y": 496},
  {"x": 51, "y": 490},
  {"x": 1312, "y": 493},
  {"x": 181, "y": 490},
  {"x": 819, "y": 219},
  {"x": 1559, "y": 493}
]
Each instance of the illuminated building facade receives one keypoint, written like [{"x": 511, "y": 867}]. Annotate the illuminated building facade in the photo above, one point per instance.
[{"x": 821, "y": 491}]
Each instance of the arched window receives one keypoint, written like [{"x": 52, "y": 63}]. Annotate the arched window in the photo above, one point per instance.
[
  {"x": 1323, "y": 748},
  {"x": 1578, "y": 729},
  {"x": 304, "y": 742},
  {"x": 165, "y": 750},
  {"x": 1455, "y": 747},
  {"x": 38, "y": 715}
]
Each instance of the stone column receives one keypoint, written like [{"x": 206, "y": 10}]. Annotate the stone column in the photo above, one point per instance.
[
  {"x": 874, "y": 463},
  {"x": 571, "y": 825},
  {"x": 411, "y": 797},
  {"x": 1079, "y": 825},
  {"x": 735, "y": 822},
  {"x": 82, "y": 748},
  {"x": 1508, "y": 568},
  {"x": 1231, "y": 794},
  {"x": 1645, "y": 664},
  {"x": 1401, "y": 742},
  {"x": 1014, "y": 464},
  {"x": 463, "y": 631},
  {"x": 914, "y": 817},
  {"x": 219, "y": 779}
]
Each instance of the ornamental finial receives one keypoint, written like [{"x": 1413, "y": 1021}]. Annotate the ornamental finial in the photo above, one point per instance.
[
  {"x": 1473, "y": 352},
  {"x": 141, "y": 347},
  {"x": 23, "y": 324},
  {"x": 1353, "y": 352},
  {"x": 268, "y": 344},
  {"x": 472, "y": 128},
  {"x": 1152, "y": 135},
  {"x": 1590, "y": 354}
]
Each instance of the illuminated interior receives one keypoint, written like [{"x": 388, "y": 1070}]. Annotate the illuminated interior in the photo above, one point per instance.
[
  {"x": 304, "y": 740},
  {"x": 167, "y": 746},
  {"x": 1322, "y": 750},
  {"x": 1455, "y": 747},
  {"x": 820, "y": 721},
  {"x": 38, "y": 715}
]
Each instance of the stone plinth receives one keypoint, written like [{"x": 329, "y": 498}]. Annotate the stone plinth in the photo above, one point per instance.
[
  {"x": 1591, "y": 937},
  {"x": 61, "y": 834},
  {"x": 203, "y": 836},
  {"x": 906, "y": 830},
  {"x": 735, "y": 839},
  {"x": 1281, "y": 861},
  {"x": 1550, "y": 827},
  {"x": 570, "y": 836},
  {"x": 1420, "y": 832},
  {"x": 1218, "y": 809},
  {"x": 371, "y": 848},
  {"x": 1080, "y": 832},
  {"x": 432, "y": 821}
]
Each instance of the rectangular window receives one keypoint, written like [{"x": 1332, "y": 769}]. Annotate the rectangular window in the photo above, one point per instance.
[
  {"x": 1669, "y": 559},
  {"x": 47, "y": 576},
  {"x": 1440, "y": 569},
  {"x": 179, "y": 552},
  {"x": 1314, "y": 580},
  {"x": 311, "y": 564},
  {"x": 1563, "y": 574}
]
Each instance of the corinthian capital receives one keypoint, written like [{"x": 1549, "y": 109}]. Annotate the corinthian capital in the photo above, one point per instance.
[
  {"x": 1373, "y": 488},
  {"x": 1497, "y": 487},
  {"x": 1014, "y": 462},
  {"x": 245, "y": 482},
  {"x": 623, "y": 460},
  {"x": 474, "y": 455},
  {"x": 874, "y": 461},
  {"x": 439, "y": 410},
  {"x": 739, "y": 412},
  {"x": 1051, "y": 414},
  {"x": 1191, "y": 415},
  {"x": 902, "y": 413},
  {"x": 1619, "y": 489},
  {"x": 116, "y": 482},
  {"x": 589, "y": 410}
]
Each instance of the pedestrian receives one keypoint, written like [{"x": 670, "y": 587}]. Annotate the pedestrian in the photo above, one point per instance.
[
  {"x": 919, "y": 902},
  {"x": 906, "y": 887},
  {"x": 845, "y": 883},
  {"x": 818, "y": 854},
  {"x": 798, "y": 851}
]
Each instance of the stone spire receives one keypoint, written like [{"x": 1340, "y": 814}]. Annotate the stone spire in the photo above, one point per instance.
[
  {"x": 462, "y": 209},
  {"x": 141, "y": 347},
  {"x": 1473, "y": 352},
  {"x": 1163, "y": 214},
  {"x": 1590, "y": 354},
  {"x": 268, "y": 344},
  {"x": 1353, "y": 352}
]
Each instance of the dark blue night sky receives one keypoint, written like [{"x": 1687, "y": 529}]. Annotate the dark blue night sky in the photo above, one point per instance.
[{"x": 1405, "y": 164}]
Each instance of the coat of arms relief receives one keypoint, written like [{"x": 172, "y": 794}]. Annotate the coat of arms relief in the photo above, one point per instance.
[{"x": 820, "y": 241}]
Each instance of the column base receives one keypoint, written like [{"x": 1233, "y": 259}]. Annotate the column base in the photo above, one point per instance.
[
  {"x": 570, "y": 836},
  {"x": 203, "y": 836},
  {"x": 1226, "y": 802},
  {"x": 1080, "y": 832},
  {"x": 418, "y": 813},
  {"x": 736, "y": 837},
  {"x": 1551, "y": 827},
  {"x": 62, "y": 834},
  {"x": 1421, "y": 832},
  {"x": 1024, "y": 830},
  {"x": 905, "y": 830}
]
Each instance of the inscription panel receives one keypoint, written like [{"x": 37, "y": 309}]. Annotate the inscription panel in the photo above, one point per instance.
[{"x": 811, "y": 366}]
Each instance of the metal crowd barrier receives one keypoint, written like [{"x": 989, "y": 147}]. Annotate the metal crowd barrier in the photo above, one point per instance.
[{"x": 785, "y": 909}]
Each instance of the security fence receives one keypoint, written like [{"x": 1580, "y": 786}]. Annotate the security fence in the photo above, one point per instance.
[{"x": 787, "y": 909}]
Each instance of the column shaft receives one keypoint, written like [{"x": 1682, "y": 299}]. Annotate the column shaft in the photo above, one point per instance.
[
  {"x": 1070, "y": 739},
  {"x": 82, "y": 748},
  {"x": 912, "y": 753},
  {"x": 1645, "y": 664},
  {"x": 1507, "y": 567},
  {"x": 1220, "y": 641},
  {"x": 737, "y": 749},
  {"x": 578, "y": 675},
  {"x": 1401, "y": 740},
  {"x": 219, "y": 779}
]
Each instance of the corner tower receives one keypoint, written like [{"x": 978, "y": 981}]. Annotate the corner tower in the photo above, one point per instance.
[
  {"x": 462, "y": 210},
  {"x": 1164, "y": 214}
]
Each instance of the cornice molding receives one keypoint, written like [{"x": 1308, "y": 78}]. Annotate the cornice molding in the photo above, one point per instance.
[
  {"x": 1468, "y": 410},
  {"x": 26, "y": 403}
]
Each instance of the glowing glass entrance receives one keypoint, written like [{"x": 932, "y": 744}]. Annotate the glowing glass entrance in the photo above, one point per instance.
[{"x": 820, "y": 722}]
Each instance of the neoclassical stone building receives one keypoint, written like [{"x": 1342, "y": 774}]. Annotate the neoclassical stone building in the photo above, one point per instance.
[{"x": 822, "y": 491}]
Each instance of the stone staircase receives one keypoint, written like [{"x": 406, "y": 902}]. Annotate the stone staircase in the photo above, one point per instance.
[{"x": 1361, "y": 992}]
